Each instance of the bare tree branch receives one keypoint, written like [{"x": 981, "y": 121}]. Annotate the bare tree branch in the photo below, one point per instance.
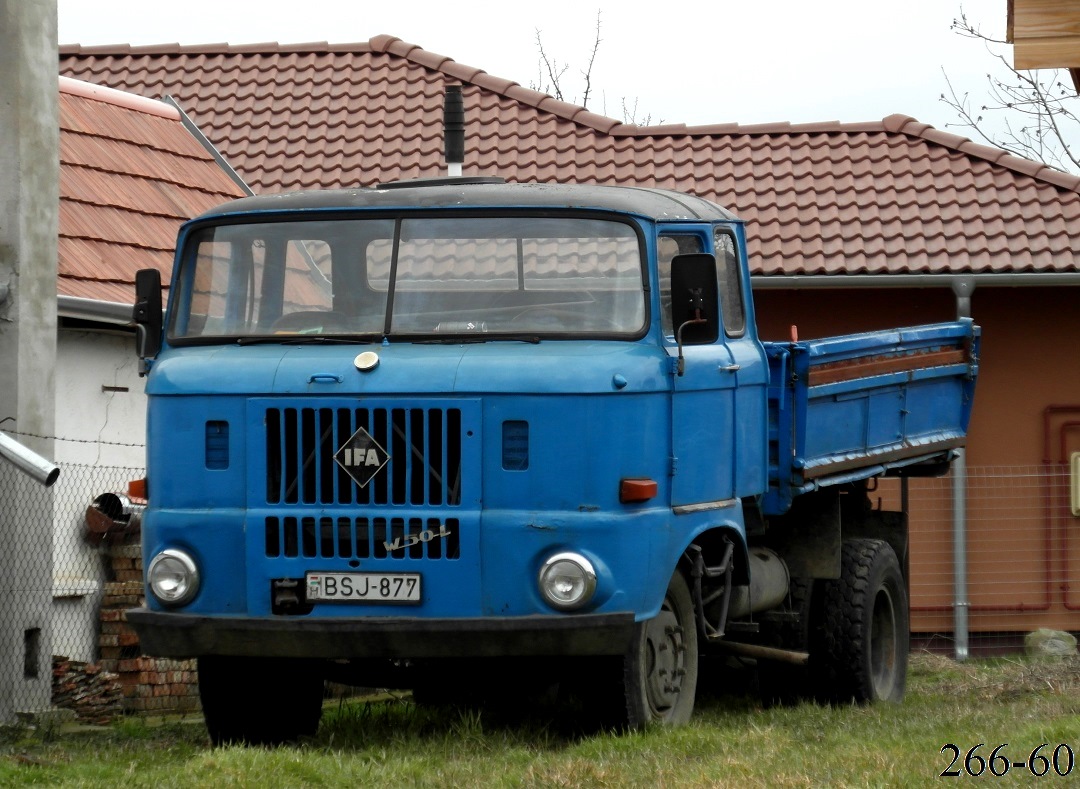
[
  {"x": 554, "y": 73},
  {"x": 1035, "y": 111},
  {"x": 587, "y": 73},
  {"x": 551, "y": 73}
]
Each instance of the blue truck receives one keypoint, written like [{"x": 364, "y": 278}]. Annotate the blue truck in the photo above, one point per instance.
[{"x": 459, "y": 434}]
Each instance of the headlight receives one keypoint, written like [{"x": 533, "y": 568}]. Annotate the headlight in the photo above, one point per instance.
[
  {"x": 567, "y": 581},
  {"x": 173, "y": 577}
]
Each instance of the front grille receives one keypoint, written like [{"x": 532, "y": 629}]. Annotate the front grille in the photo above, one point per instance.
[
  {"x": 363, "y": 538},
  {"x": 424, "y": 445}
]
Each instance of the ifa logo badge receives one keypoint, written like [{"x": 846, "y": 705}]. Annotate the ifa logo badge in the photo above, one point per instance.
[{"x": 361, "y": 457}]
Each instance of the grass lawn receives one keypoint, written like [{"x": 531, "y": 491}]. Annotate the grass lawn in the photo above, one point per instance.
[{"x": 732, "y": 741}]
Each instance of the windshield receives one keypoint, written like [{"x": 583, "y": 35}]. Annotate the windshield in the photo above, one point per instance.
[{"x": 414, "y": 277}]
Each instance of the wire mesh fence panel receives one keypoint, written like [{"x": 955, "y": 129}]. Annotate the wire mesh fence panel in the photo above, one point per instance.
[{"x": 1022, "y": 556}]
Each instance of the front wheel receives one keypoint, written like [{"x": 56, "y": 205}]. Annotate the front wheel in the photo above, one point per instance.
[
  {"x": 660, "y": 669},
  {"x": 865, "y": 634}
]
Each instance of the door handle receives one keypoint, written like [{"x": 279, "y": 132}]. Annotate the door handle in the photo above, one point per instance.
[{"x": 730, "y": 368}]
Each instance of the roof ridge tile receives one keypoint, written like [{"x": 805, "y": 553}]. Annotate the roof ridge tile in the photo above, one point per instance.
[
  {"x": 214, "y": 48},
  {"x": 907, "y": 125}
]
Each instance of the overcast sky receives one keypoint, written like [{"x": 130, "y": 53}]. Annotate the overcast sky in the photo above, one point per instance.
[{"x": 690, "y": 62}]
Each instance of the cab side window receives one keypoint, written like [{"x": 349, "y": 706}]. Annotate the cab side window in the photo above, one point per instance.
[
  {"x": 729, "y": 274},
  {"x": 667, "y": 247}
]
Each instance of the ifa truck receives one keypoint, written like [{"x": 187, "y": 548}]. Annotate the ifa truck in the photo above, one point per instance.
[{"x": 460, "y": 435}]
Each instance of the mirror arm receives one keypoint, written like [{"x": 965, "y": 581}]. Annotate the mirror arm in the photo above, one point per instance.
[
  {"x": 697, "y": 309},
  {"x": 680, "y": 367}
]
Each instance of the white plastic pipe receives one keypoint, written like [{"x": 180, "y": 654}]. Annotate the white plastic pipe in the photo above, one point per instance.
[{"x": 28, "y": 461}]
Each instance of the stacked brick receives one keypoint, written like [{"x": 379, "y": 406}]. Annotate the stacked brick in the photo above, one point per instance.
[
  {"x": 94, "y": 695},
  {"x": 150, "y": 685}
]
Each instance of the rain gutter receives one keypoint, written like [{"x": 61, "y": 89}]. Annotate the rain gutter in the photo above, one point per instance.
[
  {"x": 839, "y": 281},
  {"x": 94, "y": 310}
]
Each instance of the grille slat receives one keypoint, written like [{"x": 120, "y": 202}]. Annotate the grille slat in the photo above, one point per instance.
[
  {"x": 424, "y": 445},
  {"x": 363, "y": 538}
]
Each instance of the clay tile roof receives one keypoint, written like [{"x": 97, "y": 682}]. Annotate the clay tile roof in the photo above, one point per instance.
[
  {"x": 130, "y": 173},
  {"x": 893, "y": 196}
]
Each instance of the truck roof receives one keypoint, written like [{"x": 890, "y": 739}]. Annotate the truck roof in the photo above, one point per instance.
[{"x": 467, "y": 192}]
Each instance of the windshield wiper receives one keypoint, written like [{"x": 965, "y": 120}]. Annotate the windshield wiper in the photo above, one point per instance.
[
  {"x": 304, "y": 339},
  {"x": 532, "y": 339}
]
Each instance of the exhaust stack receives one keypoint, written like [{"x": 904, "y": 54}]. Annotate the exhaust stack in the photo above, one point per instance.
[
  {"x": 28, "y": 461},
  {"x": 454, "y": 130}
]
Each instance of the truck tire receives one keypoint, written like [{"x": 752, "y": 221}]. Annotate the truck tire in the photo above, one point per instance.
[
  {"x": 864, "y": 640},
  {"x": 661, "y": 667},
  {"x": 259, "y": 701}
]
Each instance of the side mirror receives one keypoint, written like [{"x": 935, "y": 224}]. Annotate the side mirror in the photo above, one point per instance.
[
  {"x": 147, "y": 313},
  {"x": 695, "y": 298}
]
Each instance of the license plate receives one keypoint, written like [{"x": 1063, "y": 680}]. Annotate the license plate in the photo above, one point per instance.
[{"x": 363, "y": 587}]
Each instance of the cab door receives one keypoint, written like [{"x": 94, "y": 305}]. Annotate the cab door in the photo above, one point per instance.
[{"x": 718, "y": 388}]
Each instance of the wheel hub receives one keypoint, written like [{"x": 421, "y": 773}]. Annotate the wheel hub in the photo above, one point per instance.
[
  {"x": 665, "y": 661},
  {"x": 883, "y": 644}
]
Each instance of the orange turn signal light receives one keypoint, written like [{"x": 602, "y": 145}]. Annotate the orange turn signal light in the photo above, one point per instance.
[
  {"x": 637, "y": 489},
  {"x": 137, "y": 488}
]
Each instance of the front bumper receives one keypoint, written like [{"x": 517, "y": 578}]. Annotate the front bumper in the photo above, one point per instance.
[{"x": 185, "y": 635}]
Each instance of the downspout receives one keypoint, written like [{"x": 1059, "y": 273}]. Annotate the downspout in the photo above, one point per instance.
[{"x": 962, "y": 288}]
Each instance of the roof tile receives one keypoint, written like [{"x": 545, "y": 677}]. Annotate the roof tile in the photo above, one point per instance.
[{"x": 129, "y": 176}]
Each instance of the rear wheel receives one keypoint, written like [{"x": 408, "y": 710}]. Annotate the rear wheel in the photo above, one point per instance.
[
  {"x": 864, "y": 647},
  {"x": 259, "y": 701}
]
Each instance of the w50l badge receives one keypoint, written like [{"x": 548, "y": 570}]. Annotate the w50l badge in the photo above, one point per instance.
[{"x": 361, "y": 457}]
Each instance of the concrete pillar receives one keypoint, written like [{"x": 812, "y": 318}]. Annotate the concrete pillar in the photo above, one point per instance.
[{"x": 29, "y": 208}]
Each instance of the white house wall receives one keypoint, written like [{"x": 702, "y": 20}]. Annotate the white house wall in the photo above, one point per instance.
[{"x": 100, "y": 437}]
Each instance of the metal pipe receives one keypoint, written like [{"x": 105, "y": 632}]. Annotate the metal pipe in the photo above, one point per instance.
[
  {"x": 960, "y": 598},
  {"x": 28, "y": 461},
  {"x": 454, "y": 129},
  {"x": 762, "y": 653},
  {"x": 1050, "y": 504},
  {"x": 93, "y": 310},
  {"x": 963, "y": 287}
]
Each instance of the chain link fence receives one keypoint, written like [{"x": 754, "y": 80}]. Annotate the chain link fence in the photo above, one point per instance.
[
  {"x": 70, "y": 567},
  {"x": 68, "y": 578}
]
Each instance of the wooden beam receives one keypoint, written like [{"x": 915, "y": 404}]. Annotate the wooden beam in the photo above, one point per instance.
[
  {"x": 1045, "y": 19},
  {"x": 1046, "y": 52}
]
